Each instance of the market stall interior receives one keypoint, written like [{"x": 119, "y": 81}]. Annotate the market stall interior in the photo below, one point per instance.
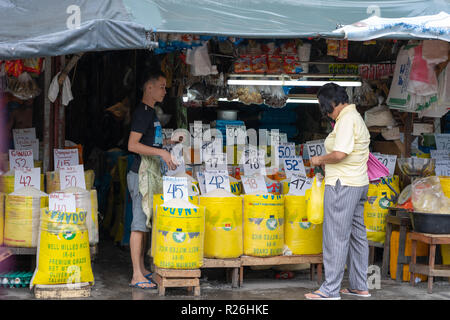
[{"x": 76, "y": 124}]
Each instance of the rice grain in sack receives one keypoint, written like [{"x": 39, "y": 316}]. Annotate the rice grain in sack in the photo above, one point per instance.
[
  {"x": 315, "y": 196},
  {"x": 52, "y": 178},
  {"x": 158, "y": 199},
  {"x": 179, "y": 235},
  {"x": 223, "y": 225},
  {"x": 63, "y": 254},
  {"x": 87, "y": 201},
  {"x": 2, "y": 216},
  {"x": 301, "y": 236},
  {"x": 7, "y": 182},
  {"x": 263, "y": 225},
  {"x": 377, "y": 207},
  {"x": 22, "y": 217}
]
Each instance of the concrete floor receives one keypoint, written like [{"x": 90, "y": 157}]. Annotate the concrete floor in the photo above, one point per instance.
[{"x": 112, "y": 272}]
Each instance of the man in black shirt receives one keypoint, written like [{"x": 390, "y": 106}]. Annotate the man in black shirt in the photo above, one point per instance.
[{"x": 145, "y": 139}]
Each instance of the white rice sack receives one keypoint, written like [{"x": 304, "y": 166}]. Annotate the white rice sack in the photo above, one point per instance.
[
  {"x": 219, "y": 193},
  {"x": 178, "y": 203},
  {"x": 29, "y": 192}
]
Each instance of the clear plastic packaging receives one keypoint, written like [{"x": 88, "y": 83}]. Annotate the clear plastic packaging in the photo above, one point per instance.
[{"x": 428, "y": 197}]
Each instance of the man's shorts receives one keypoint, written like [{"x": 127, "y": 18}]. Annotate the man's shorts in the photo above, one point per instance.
[{"x": 139, "y": 222}]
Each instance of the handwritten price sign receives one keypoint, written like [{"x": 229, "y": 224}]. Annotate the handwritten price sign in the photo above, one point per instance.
[
  {"x": 442, "y": 141},
  {"x": 388, "y": 160},
  {"x": 175, "y": 188},
  {"x": 294, "y": 165},
  {"x": 254, "y": 184},
  {"x": 215, "y": 162},
  {"x": 27, "y": 177},
  {"x": 299, "y": 184},
  {"x": 19, "y": 159},
  {"x": 315, "y": 148},
  {"x": 72, "y": 177},
  {"x": 254, "y": 161},
  {"x": 442, "y": 168},
  {"x": 65, "y": 158},
  {"x": 217, "y": 180},
  {"x": 63, "y": 202}
]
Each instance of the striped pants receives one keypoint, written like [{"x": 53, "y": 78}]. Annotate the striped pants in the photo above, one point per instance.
[{"x": 344, "y": 238}]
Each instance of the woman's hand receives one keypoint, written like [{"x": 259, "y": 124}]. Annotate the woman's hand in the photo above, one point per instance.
[{"x": 315, "y": 161}]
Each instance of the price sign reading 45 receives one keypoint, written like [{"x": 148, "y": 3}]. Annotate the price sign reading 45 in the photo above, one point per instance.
[
  {"x": 254, "y": 184},
  {"x": 294, "y": 165},
  {"x": 175, "y": 188},
  {"x": 299, "y": 184},
  {"x": 72, "y": 177},
  {"x": 27, "y": 177},
  {"x": 63, "y": 202},
  {"x": 19, "y": 159},
  {"x": 315, "y": 148},
  {"x": 217, "y": 180}
]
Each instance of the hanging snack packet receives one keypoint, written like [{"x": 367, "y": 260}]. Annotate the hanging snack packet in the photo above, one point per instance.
[
  {"x": 259, "y": 64},
  {"x": 243, "y": 64}
]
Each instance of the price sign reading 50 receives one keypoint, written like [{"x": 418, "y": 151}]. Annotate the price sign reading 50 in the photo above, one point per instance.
[
  {"x": 72, "y": 177},
  {"x": 315, "y": 148}
]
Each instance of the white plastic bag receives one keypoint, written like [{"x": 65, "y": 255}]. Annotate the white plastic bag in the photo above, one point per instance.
[
  {"x": 199, "y": 60},
  {"x": 379, "y": 116}
]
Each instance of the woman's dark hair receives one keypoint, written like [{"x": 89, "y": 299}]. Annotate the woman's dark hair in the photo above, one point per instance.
[{"x": 330, "y": 95}]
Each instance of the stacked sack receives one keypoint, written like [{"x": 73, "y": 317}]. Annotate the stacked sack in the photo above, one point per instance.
[
  {"x": 22, "y": 217},
  {"x": 178, "y": 230},
  {"x": 53, "y": 185},
  {"x": 2, "y": 216},
  {"x": 223, "y": 224},
  {"x": 7, "y": 182}
]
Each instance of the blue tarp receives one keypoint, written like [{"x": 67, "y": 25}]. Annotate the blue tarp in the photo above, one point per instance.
[{"x": 49, "y": 28}]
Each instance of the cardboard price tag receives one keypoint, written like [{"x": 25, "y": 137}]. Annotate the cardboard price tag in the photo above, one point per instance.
[
  {"x": 23, "y": 137},
  {"x": 440, "y": 154},
  {"x": 20, "y": 159},
  {"x": 254, "y": 161},
  {"x": 315, "y": 148},
  {"x": 294, "y": 165},
  {"x": 442, "y": 168},
  {"x": 63, "y": 202},
  {"x": 175, "y": 188},
  {"x": 72, "y": 177},
  {"x": 27, "y": 177},
  {"x": 442, "y": 141},
  {"x": 388, "y": 160},
  {"x": 217, "y": 180},
  {"x": 254, "y": 184},
  {"x": 65, "y": 158},
  {"x": 299, "y": 184},
  {"x": 215, "y": 162}
]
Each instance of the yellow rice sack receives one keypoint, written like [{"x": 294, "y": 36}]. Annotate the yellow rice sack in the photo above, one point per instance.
[
  {"x": 52, "y": 179},
  {"x": 301, "y": 236},
  {"x": 235, "y": 186},
  {"x": 263, "y": 225},
  {"x": 377, "y": 207},
  {"x": 315, "y": 196},
  {"x": 2, "y": 216},
  {"x": 22, "y": 217},
  {"x": 223, "y": 227},
  {"x": 63, "y": 254},
  {"x": 179, "y": 233},
  {"x": 7, "y": 183}
]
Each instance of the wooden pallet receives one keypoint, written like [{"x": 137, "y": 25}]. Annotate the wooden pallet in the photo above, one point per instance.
[
  {"x": 316, "y": 261},
  {"x": 167, "y": 278},
  {"x": 62, "y": 291},
  {"x": 233, "y": 264}
]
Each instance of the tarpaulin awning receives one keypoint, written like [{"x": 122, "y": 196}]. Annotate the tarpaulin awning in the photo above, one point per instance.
[
  {"x": 50, "y": 28},
  {"x": 427, "y": 27}
]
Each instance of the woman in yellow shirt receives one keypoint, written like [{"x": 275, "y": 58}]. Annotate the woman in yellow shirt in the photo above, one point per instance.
[{"x": 346, "y": 186}]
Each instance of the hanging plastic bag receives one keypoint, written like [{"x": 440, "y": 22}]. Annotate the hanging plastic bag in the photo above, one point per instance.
[
  {"x": 23, "y": 87},
  {"x": 422, "y": 79},
  {"x": 315, "y": 196},
  {"x": 427, "y": 196}
]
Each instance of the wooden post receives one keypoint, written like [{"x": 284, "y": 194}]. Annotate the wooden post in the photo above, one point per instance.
[
  {"x": 408, "y": 131},
  {"x": 47, "y": 133}
]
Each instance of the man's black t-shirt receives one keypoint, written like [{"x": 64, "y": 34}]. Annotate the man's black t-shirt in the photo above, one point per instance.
[{"x": 145, "y": 121}]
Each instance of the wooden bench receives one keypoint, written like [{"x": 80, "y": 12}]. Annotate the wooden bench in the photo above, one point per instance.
[
  {"x": 233, "y": 264},
  {"x": 62, "y": 291},
  {"x": 169, "y": 278},
  {"x": 431, "y": 270}
]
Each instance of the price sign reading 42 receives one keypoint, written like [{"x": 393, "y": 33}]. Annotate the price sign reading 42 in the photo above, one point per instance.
[
  {"x": 315, "y": 148},
  {"x": 27, "y": 177},
  {"x": 72, "y": 177},
  {"x": 217, "y": 180},
  {"x": 299, "y": 184},
  {"x": 175, "y": 188}
]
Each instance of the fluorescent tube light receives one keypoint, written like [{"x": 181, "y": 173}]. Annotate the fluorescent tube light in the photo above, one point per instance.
[
  {"x": 294, "y": 100},
  {"x": 292, "y": 83}
]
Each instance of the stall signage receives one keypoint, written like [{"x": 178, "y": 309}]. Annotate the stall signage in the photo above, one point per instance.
[
  {"x": 442, "y": 168},
  {"x": 72, "y": 176},
  {"x": 65, "y": 158},
  {"x": 315, "y": 148},
  {"x": 61, "y": 201},
  {"x": 217, "y": 180},
  {"x": 20, "y": 159},
  {"x": 440, "y": 154},
  {"x": 388, "y": 160},
  {"x": 299, "y": 184},
  {"x": 442, "y": 141},
  {"x": 294, "y": 165},
  {"x": 27, "y": 177},
  {"x": 254, "y": 161},
  {"x": 215, "y": 162},
  {"x": 175, "y": 188},
  {"x": 254, "y": 184},
  {"x": 25, "y": 139}
]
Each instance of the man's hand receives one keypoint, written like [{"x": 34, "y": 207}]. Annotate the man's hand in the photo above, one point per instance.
[{"x": 167, "y": 158}]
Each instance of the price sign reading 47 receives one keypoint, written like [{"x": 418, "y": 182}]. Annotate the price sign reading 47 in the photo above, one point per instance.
[
  {"x": 27, "y": 177},
  {"x": 299, "y": 184},
  {"x": 71, "y": 177}
]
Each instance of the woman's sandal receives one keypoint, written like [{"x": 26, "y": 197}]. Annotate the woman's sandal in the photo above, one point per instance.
[
  {"x": 321, "y": 296},
  {"x": 354, "y": 293}
]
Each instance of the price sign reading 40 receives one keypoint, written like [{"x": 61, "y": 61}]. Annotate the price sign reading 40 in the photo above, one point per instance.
[
  {"x": 217, "y": 180},
  {"x": 299, "y": 184},
  {"x": 175, "y": 188},
  {"x": 27, "y": 177},
  {"x": 71, "y": 177},
  {"x": 19, "y": 159},
  {"x": 315, "y": 148},
  {"x": 61, "y": 201}
]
